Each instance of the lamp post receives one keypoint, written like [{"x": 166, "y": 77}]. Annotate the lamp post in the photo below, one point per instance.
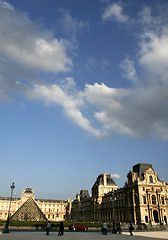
[
  {"x": 6, "y": 230},
  {"x": 113, "y": 200}
]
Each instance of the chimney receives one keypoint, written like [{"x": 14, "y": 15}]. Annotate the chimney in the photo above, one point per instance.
[{"x": 105, "y": 178}]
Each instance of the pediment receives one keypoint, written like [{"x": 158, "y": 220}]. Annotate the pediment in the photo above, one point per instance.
[{"x": 151, "y": 176}]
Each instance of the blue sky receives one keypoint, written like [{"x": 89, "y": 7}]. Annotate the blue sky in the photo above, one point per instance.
[{"x": 83, "y": 91}]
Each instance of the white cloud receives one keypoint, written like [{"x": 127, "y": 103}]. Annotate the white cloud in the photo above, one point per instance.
[
  {"x": 53, "y": 94},
  {"x": 135, "y": 112},
  {"x": 129, "y": 69},
  {"x": 145, "y": 16},
  {"x": 115, "y": 12},
  {"x": 100, "y": 110},
  {"x": 154, "y": 54},
  {"x": 115, "y": 176},
  {"x": 23, "y": 42}
]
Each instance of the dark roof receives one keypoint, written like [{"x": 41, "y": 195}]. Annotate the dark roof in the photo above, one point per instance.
[
  {"x": 100, "y": 180},
  {"x": 140, "y": 168},
  {"x": 84, "y": 194},
  {"x": 8, "y": 198},
  {"x": 28, "y": 190}
]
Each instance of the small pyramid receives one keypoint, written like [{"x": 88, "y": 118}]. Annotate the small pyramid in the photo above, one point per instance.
[{"x": 29, "y": 211}]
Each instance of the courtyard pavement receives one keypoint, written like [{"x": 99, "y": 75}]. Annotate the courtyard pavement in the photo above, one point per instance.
[{"x": 84, "y": 236}]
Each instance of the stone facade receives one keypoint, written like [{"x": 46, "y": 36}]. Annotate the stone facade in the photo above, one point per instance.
[
  {"x": 143, "y": 199},
  {"x": 89, "y": 209},
  {"x": 53, "y": 210}
]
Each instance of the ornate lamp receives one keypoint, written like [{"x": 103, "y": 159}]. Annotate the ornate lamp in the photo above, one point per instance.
[{"x": 6, "y": 230}]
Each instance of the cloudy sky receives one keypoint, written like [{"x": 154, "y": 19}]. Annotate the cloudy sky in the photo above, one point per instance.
[{"x": 83, "y": 91}]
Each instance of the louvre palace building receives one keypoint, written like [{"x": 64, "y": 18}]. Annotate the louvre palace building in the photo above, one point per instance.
[
  {"x": 31, "y": 209},
  {"x": 143, "y": 199}
]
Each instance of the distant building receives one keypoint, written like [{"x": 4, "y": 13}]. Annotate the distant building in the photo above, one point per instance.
[
  {"x": 88, "y": 209},
  {"x": 142, "y": 199},
  {"x": 31, "y": 209}
]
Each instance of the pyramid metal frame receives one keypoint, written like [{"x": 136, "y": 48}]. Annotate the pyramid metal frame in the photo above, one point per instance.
[{"x": 29, "y": 211}]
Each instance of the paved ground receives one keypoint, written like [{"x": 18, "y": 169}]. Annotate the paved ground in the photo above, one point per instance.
[{"x": 83, "y": 236}]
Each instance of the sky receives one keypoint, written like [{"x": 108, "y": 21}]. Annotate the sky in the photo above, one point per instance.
[{"x": 83, "y": 91}]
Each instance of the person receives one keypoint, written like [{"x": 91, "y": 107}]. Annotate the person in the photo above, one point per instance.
[
  {"x": 104, "y": 228},
  {"x": 61, "y": 229},
  {"x": 48, "y": 227},
  {"x": 119, "y": 228},
  {"x": 114, "y": 228},
  {"x": 130, "y": 229}
]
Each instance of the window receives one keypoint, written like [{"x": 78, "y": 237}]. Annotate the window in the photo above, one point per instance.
[
  {"x": 146, "y": 219},
  {"x": 162, "y": 200},
  {"x": 165, "y": 219},
  {"x": 151, "y": 179},
  {"x": 144, "y": 199},
  {"x": 143, "y": 188},
  {"x": 153, "y": 199}
]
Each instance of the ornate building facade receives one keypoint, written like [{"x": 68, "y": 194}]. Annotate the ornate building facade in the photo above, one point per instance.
[
  {"x": 142, "y": 199},
  {"x": 29, "y": 208}
]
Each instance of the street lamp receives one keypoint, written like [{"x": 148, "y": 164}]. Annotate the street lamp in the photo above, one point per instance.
[
  {"x": 6, "y": 230},
  {"x": 113, "y": 200}
]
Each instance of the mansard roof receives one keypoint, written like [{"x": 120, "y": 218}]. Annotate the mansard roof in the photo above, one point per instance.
[
  {"x": 109, "y": 180},
  {"x": 141, "y": 168}
]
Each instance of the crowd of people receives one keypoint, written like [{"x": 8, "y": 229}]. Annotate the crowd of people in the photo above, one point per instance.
[{"x": 116, "y": 228}]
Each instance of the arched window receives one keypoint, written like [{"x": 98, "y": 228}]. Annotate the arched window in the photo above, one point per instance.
[
  {"x": 144, "y": 199},
  {"x": 153, "y": 199},
  {"x": 162, "y": 199},
  {"x": 151, "y": 179},
  {"x": 156, "y": 217}
]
